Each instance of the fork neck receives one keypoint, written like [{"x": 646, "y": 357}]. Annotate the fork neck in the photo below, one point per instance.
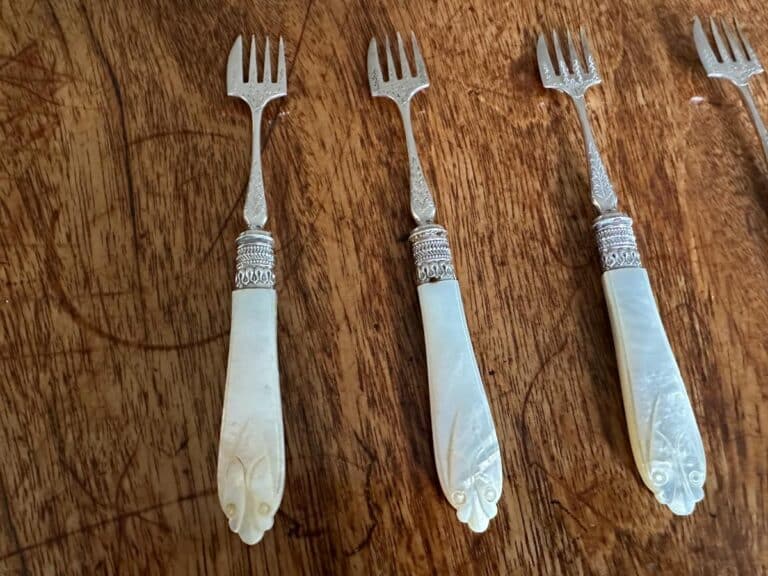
[
  {"x": 422, "y": 204},
  {"x": 603, "y": 196},
  {"x": 749, "y": 102},
  {"x": 255, "y": 209}
]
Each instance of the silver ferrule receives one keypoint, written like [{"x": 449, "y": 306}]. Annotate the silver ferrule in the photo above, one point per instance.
[
  {"x": 616, "y": 241},
  {"x": 255, "y": 262},
  {"x": 432, "y": 254}
]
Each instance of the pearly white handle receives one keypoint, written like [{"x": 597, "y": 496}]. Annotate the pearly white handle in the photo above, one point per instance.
[
  {"x": 466, "y": 448},
  {"x": 251, "y": 468},
  {"x": 665, "y": 439}
]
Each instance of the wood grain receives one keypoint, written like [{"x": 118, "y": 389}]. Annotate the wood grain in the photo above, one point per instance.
[{"x": 122, "y": 171}]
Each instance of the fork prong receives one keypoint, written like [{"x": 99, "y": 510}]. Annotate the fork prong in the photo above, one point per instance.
[
  {"x": 235, "y": 66},
  {"x": 751, "y": 54},
  {"x": 721, "y": 47},
  {"x": 587, "y": 51},
  {"x": 267, "y": 78},
  {"x": 374, "y": 68},
  {"x": 561, "y": 64},
  {"x": 281, "y": 73},
  {"x": 421, "y": 68},
  {"x": 405, "y": 67},
  {"x": 253, "y": 68},
  {"x": 546, "y": 69},
  {"x": 703, "y": 47},
  {"x": 391, "y": 70},
  {"x": 733, "y": 42},
  {"x": 574, "y": 56}
]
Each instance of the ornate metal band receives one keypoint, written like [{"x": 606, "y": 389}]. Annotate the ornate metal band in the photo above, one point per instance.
[
  {"x": 432, "y": 254},
  {"x": 255, "y": 263},
  {"x": 616, "y": 241}
]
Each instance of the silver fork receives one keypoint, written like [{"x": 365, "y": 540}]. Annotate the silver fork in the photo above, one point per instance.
[
  {"x": 467, "y": 453},
  {"x": 737, "y": 62},
  {"x": 401, "y": 89},
  {"x": 257, "y": 94},
  {"x": 656, "y": 402},
  {"x": 251, "y": 462},
  {"x": 575, "y": 81}
]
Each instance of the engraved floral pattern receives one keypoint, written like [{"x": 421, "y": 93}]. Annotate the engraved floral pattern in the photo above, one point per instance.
[
  {"x": 603, "y": 196},
  {"x": 422, "y": 204}
]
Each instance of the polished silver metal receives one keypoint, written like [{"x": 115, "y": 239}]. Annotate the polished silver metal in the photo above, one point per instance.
[
  {"x": 613, "y": 229},
  {"x": 616, "y": 242},
  {"x": 255, "y": 263},
  {"x": 401, "y": 89},
  {"x": 257, "y": 94},
  {"x": 574, "y": 80},
  {"x": 432, "y": 254},
  {"x": 737, "y": 61}
]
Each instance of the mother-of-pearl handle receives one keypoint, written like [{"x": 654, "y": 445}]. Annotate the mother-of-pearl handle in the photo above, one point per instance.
[
  {"x": 665, "y": 438},
  {"x": 251, "y": 464},
  {"x": 464, "y": 437}
]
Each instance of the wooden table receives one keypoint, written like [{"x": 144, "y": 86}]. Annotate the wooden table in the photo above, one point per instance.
[{"x": 123, "y": 166}]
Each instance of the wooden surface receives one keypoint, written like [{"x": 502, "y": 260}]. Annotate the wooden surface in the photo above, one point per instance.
[{"x": 122, "y": 170}]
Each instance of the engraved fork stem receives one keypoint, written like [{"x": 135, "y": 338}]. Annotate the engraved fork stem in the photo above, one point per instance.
[
  {"x": 422, "y": 204},
  {"x": 603, "y": 196},
  {"x": 255, "y": 210},
  {"x": 746, "y": 95}
]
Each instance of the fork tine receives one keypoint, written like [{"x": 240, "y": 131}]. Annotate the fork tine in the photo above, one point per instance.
[
  {"x": 253, "y": 69},
  {"x": 751, "y": 54},
  {"x": 405, "y": 67},
  {"x": 721, "y": 48},
  {"x": 587, "y": 51},
  {"x": 421, "y": 68},
  {"x": 391, "y": 70},
  {"x": 546, "y": 69},
  {"x": 703, "y": 47},
  {"x": 561, "y": 64},
  {"x": 574, "y": 56},
  {"x": 733, "y": 41},
  {"x": 281, "y": 73},
  {"x": 235, "y": 66},
  {"x": 374, "y": 67},
  {"x": 267, "y": 78}
]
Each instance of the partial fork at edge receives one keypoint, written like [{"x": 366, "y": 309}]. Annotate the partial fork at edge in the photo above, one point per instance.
[{"x": 737, "y": 62}]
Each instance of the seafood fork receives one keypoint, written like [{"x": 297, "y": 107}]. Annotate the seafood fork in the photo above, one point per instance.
[
  {"x": 736, "y": 62},
  {"x": 251, "y": 462},
  {"x": 665, "y": 438},
  {"x": 466, "y": 447}
]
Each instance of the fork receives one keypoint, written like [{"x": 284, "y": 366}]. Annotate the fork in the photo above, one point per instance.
[
  {"x": 401, "y": 90},
  {"x": 738, "y": 64},
  {"x": 251, "y": 462},
  {"x": 467, "y": 451},
  {"x": 665, "y": 438}
]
